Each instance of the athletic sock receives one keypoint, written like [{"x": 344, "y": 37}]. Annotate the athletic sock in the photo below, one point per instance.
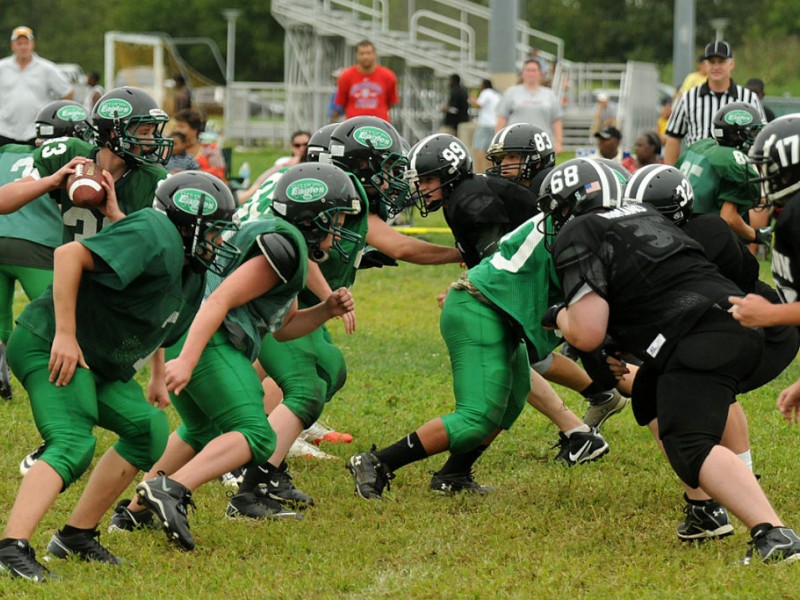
[
  {"x": 462, "y": 463},
  {"x": 70, "y": 530},
  {"x": 254, "y": 476},
  {"x": 582, "y": 428},
  {"x": 747, "y": 458},
  {"x": 404, "y": 451},
  {"x": 591, "y": 390}
]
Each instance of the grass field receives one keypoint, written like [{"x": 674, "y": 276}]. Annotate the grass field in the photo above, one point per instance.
[{"x": 604, "y": 530}]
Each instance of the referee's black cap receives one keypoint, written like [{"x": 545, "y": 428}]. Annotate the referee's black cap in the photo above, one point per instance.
[{"x": 718, "y": 48}]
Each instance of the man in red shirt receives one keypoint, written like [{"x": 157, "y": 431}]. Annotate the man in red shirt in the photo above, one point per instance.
[{"x": 366, "y": 88}]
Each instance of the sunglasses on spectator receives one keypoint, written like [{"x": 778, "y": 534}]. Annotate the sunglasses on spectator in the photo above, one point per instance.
[{"x": 299, "y": 144}]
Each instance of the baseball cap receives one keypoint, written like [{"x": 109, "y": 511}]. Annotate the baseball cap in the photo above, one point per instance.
[
  {"x": 22, "y": 30},
  {"x": 718, "y": 48},
  {"x": 608, "y": 132}
]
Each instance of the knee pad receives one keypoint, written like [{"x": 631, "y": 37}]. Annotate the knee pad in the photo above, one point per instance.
[
  {"x": 144, "y": 448},
  {"x": 69, "y": 458},
  {"x": 686, "y": 454},
  {"x": 466, "y": 431}
]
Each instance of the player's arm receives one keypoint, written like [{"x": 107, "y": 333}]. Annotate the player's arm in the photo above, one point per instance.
[
  {"x": 250, "y": 280},
  {"x": 302, "y": 322},
  {"x": 157, "y": 392},
  {"x": 16, "y": 194},
  {"x": 730, "y": 214},
  {"x": 672, "y": 150},
  {"x": 584, "y": 322},
  {"x": 318, "y": 285},
  {"x": 406, "y": 248},
  {"x": 756, "y": 311},
  {"x": 558, "y": 135},
  {"x": 69, "y": 263}
]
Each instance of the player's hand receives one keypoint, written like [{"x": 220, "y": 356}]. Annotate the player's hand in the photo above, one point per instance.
[
  {"x": 178, "y": 374},
  {"x": 349, "y": 320},
  {"x": 789, "y": 403},
  {"x": 157, "y": 393},
  {"x": 441, "y": 297},
  {"x": 752, "y": 310},
  {"x": 65, "y": 356},
  {"x": 340, "y": 302},
  {"x": 618, "y": 367},
  {"x": 763, "y": 236},
  {"x": 110, "y": 208},
  {"x": 59, "y": 178},
  {"x": 550, "y": 317}
]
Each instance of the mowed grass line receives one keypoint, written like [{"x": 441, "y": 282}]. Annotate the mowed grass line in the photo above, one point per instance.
[{"x": 601, "y": 530}]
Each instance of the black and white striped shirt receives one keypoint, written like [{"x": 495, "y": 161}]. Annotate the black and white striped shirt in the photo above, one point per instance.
[{"x": 694, "y": 111}]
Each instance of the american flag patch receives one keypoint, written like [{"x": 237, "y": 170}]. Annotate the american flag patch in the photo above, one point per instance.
[{"x": 592, "y": 187}]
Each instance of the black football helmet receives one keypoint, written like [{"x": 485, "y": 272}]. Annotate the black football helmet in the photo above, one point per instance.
[
  {"x": 663, "y": 187},
  {"x": 319, "y": 142},
  {"x": 372, "y": 150},
  {"x": 441, "y": 155},
  {"x": 118, "y": 117},
  {"x": 198, "y": 203},
  {"x": 532, "y": 142},
  {"x": 736, "y": 125},
  {"x": 776, "y": 155},
  {"x": 311, "y": 196},
  {"x": 577, "y": 187},
  {"x": 621, "y": 172},
  {"x": 62, "y": 118}
]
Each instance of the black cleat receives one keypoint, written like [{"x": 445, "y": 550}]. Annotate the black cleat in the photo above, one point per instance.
[
  {"x": 18, "y": 559},
  {"x": 258, "y": 505},
  {"x": 370, "y": 475},
  {"x": 580, "y": 447},
  {"x": 167, "y": 500},
  {"x": 602, "y": 406},
  {"x": 281, "y": 489},
  {"x": 85, "y": 544},
  {"x": 708, "y": 521},
  {"x": 5, "y": 376},
  {"x": 452, "y": 483},
  {"x": 772, "y": 545},
  {"x": 125, "y": 519}
]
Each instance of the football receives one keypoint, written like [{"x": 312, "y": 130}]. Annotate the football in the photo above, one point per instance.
[{"x": 84, "y": 186}]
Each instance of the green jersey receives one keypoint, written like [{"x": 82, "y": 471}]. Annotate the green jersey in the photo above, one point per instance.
[
  {"x": 520, "y": 279},
  {"x": 39, "y": 221},
  {"x": 338, "y": 271},
  {"x": 246, "y": 325},
  {"x": 135, "y": 190},
  {"x": 719, "y": 174},
  {"x": 127, "y": 306}
]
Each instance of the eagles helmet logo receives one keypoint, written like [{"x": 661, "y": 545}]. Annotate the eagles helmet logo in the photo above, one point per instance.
[
  {"x": 189, "y": 201},
  {"x": 115, "y": 108},
  {"x": 379, "y": 139},
  {"x": 71, "y": 113},
  {"x": 306, "y": 190},
  {"x": 738, "y": 117}
]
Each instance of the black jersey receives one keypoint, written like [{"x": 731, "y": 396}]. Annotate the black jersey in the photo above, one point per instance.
[
  {"x": 655, "y": 278},
  {"x": 481, "y": 209},
  {"x": 786, "y": 252},
  {"x": 724, "y": 249}
]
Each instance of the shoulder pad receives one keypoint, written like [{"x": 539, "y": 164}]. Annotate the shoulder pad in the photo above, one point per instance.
[{"x": 280, "y": 253}]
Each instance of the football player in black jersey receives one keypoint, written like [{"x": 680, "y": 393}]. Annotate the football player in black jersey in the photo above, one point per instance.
[
  {"x": 665, "y": 188},
  {"x": 628, "y": 273}
]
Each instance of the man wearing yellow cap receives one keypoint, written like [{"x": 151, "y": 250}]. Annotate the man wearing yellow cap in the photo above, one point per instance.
[{"x": 27, "y": 83}]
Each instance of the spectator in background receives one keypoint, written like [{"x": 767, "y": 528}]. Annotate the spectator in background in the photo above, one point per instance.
[
  {"x": 757, "y": 86},
  {"x": 647, "y": 150},
  {"x": 95, "y": 91},
  {"x": 299, "y": 155},
  {"x": 693, "y": 112},
  {"x": 529, "y": 102},
  {"x": 604, "y": 114},
  {"x": 27, "y": 83},
  {"x": 663, "y": 119},
  {"x": 608, "y": 142},
  {"x": 191, "y": 124},
  {"x": 486, "y": 103},
  {"x": 366, "y": 88},
  {"x": 180, "y": 160},
  {"x": 182, "y": 95},
  {"x": 456, "y": 111},
  {"x": 695, "y": 78}
]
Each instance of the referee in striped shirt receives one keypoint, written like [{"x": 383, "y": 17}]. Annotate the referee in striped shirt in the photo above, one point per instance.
[{"x": 694, "y": 111}]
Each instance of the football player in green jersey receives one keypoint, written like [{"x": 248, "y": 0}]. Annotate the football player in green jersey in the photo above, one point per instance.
[
  {"x": 29, "y": 235},
  {"x": 214, "y": 386},
  {"x": 116, "y": 298}
]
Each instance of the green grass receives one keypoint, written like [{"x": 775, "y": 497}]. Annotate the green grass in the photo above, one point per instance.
[{"x": 604, "y": 530}]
